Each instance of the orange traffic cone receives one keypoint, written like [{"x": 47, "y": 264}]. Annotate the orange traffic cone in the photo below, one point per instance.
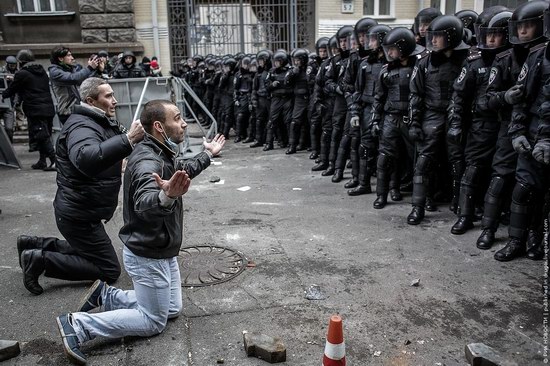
[{"x": 335, "y": 348}]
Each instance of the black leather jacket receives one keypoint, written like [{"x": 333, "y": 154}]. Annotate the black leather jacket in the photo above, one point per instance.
[
  {"x": 89, "y": 155},
  {"x": 151, "y": 230}
]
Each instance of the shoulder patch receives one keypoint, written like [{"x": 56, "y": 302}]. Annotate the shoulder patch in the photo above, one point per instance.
[
  {"x": 504, "y": 54},
  {"x": 537, "y": 47},
  {"x": 493, "y": 75},
  {"x": 523, "y": 72},
  {"x": 462, "y": 75},
  {"x": 309, "y": 70},
  {"x": 474, "y": 56}
]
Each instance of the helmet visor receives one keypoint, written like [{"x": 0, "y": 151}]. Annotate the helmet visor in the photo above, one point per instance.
[
  {"x": 437, "y": 41},
  {"x": 392, "y": 52},
  {"x": 525, "y": 30},
  {"x": 373, "y": 41},
  {"x": 492, "y": 38}
]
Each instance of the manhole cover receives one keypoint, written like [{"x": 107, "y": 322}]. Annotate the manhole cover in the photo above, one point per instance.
[{"x": 209, "y": 265}]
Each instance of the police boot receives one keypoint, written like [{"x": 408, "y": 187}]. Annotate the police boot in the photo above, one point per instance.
[
  {"x": 352, "y": 183},
  {"x": 416, "y": 216},
  {"x": 40, "y": 164},
  {"x": 486, "y": 239},
  {"x": 314, "y": 155},
  {"x": 380, "y": 202},
  {"x": 291, "y": 150},
  {"x": 268, "y": 146},
  {"x": 330, "y": 169},
  {"x": 338, "y": 176},
  {"x": 363, "y": 181},
  {"x": 535, "y": 249},
  {"x": 430, "y": 204},
  {"x": 33, "y": 266},
  {"x": 514, "y": 249},
  {"x": 396, "y": 195},
  {"x": 248, "y": 140},
  {"x": 462, "y": 225}
]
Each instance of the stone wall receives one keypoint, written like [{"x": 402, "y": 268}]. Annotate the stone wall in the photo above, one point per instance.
[{"x": 107, "y": 21}]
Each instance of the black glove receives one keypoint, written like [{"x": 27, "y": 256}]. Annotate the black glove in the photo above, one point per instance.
[
  {"x": 513, "y": 95},
  {"x": 416, "y": 134},
  {"x": 354, "y": 121},
  {"x": 375, "y": 129},
  {"x": 541, "y": 151},
  {"x": 250, "y": 107},
  {"x": 521, "y": 145},
  {"x": 276, "y": 83},
  {"x": 454, "y": 134}
]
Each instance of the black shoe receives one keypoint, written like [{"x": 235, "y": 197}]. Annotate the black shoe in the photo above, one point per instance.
[
  {"x": 313, "y": 155},
  {"x": 39, "y": 165},
  {"x": 71, "y": 346},
  {"x": 462, "y": 225},
  {"x": 430, "y": 205},
  {"x": 515, "y": 248},
  {"x": 380, "y": 202},
  {"x": 25, "y": 242},
  {"x": 416, "y": 216},
  {"x": 338, "y": 176},
  {"x": 395, "y": 195},
  {"x": 291, "y": 150},
  {"x": 268, "y": 147},
  {"x": 92, "y": 298},
  {"x": 320, "y": 166},
  {"x": 359, "y": 190},
  {"x": 248, "y": 140},
  {"x": 486, "y": 239},
  {"x": 33, "y": 265},
  {"x": 256, "y": 144},
  {"x": 535, "y": 249},
  {"x": 318, "y": 160},
  {"x": 329, "y": 171},
  {"x": 352, "y": 183}
]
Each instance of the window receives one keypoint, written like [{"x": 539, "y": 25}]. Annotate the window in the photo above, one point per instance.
[
  {"x": 41, "y": 6},
  {"x": 511, "y": 4},
  {"x": 450, "y": 6},
  {"x": 377, "y": 8}
]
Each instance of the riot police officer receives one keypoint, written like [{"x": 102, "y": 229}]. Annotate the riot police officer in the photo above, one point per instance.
[
  {"x": 532, "y": 177},
  {"x": 431, "y": 88},
  {"x": 422, "y": 22},
  {"x": 321, "y": 48},
  {"x": 260, "y": 96},
  {"x": 470, "y": 94},
  {"x": 391, "y": 102},
  {"x": 243, "y": 88},
  {"x": 297, "y": 78},
  {"x": 227, "y": 88},
  {"x": 281, "y": 101},
  {"x": 503, "y": 93}
]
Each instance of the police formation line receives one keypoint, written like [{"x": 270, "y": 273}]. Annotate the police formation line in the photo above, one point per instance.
[{"x": 454, "y": 108}]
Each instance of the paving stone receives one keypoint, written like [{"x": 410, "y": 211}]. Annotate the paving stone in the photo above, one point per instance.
[
  {"x": 270, "y": 349},
  {"x": 479, "y": 354},
  {"x": 9, "y": 349}
]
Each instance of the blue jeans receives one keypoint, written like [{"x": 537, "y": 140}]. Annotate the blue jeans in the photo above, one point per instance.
[{"x": 143, "y": 311}]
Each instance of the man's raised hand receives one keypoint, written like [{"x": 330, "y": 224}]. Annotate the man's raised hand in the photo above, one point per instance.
[
  {"x": 215, "y": 145},
  {"x": 177, "y": 186}
]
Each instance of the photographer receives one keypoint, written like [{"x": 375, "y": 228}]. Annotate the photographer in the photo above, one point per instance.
[{"x": 65, "y": 79}]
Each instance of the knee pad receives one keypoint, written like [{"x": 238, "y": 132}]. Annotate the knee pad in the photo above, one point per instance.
[
  {"x": 522, "y": 194},
  {"x": 384, "y": 161},
  {"x": 423, "y": 165},
  {"x": 470, "y": 174}
]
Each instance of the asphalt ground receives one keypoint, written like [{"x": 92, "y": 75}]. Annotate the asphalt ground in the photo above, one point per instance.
[{"x": 295, "y": 229}]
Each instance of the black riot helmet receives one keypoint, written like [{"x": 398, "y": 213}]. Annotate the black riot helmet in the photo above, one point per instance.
[
  {"x": 344, "y": 33},
  {"x": 468, "y": 18},
  {"x": 302, "y": 55},
  {"x": 494, "y": 36},
  {"x": 253, "y": 65},
  {"x": 399, "y": 39},
  {"x": 445, "y": 33},
  {"x": 526, "y": 24},
  {"x": 332, "y": 45},
  {"x": 25, "y": 56},
  {"x": 424, "y": 18},
  {"x": 245, "y": 62},
  {"x": 486, "y": 15},
  {"x": 361, "y": 30},
  {"x": 229, "y": 64},
  {"x": 313, "y": 57},
  {"x": 280, "y": 58},
  {"x": 198, "y": 59},
  {"x": 264, "y": 56},
  {"x": 376, "y": 36},
  {"x": 321, "y": 43}
]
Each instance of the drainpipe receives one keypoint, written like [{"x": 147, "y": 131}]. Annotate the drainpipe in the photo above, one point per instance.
[{"x": 154, "y": 16}]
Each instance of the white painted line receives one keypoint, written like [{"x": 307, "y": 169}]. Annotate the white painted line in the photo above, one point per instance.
[
  {"x": 244, "y": 189},
  {"x": 265, "y": 204},
  {"x": 216, "y": 163},
  {"x": 296, "y": 189},
  {"x": 220, "y": 182}
]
